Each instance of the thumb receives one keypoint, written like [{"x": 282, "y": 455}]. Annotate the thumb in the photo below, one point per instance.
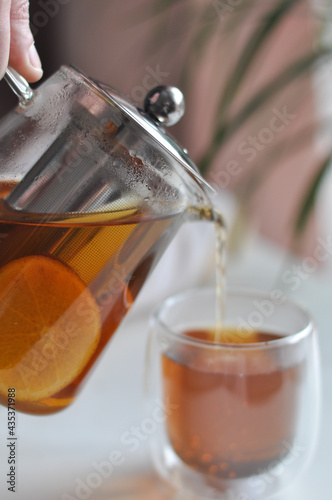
[
  {"x": 4, "y": 34},
  {"x": 23, "y": 55}
]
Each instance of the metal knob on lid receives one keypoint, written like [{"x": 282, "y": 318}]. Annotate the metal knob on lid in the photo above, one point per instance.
[{"x": 165, "y": 105}]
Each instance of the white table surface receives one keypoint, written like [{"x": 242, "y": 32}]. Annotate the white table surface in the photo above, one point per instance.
[{"x": 55, "y": 452}]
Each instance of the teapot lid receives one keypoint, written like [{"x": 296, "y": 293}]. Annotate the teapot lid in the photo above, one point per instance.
[{"x": 163, "y": 106}]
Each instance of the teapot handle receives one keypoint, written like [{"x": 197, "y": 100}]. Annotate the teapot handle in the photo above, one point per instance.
[{"x": 19, "y": 85}]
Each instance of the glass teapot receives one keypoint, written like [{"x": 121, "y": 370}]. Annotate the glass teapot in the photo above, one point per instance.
[{"x": 91, "y": 192}]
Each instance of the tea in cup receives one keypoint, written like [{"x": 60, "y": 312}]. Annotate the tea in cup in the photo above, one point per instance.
[{"x": 241, "y": 405}]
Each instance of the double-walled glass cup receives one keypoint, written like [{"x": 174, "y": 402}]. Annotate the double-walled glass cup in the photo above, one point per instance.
[{"x": 240, "y": 419}]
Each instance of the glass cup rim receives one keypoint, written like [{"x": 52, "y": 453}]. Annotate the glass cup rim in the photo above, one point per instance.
[{"x": 246, "y": 292}]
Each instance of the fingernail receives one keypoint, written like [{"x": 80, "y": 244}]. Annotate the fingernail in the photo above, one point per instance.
[{"x": 34, "y": 58}]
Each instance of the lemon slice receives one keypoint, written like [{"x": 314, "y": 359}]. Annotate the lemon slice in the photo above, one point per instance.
[{"x": 49, "y": 327}]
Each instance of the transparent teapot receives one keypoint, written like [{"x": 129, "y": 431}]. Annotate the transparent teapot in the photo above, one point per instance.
[{"x": 92, "y": 190}]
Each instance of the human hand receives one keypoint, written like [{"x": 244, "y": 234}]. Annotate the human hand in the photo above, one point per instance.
[{"x": 17, "y": 47}]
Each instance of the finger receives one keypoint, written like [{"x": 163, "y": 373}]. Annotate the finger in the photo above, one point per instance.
[
  {"x": 23, "y": 55},
  {"x": 4, "y": 35}
]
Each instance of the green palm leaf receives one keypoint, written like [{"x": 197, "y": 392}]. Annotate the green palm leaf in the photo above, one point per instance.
[
  {"x": 311, "y": 195},
  {"x": 269, "y": 22},
  {"x": 225, "y": 130}
]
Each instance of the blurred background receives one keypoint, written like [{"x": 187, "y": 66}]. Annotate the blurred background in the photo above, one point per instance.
[
  {"x": 256, "y": 76},
  {"x": 256, "y": 79}
]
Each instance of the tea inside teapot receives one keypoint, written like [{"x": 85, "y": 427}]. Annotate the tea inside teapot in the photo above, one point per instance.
[{"x": 88, "y": 203}]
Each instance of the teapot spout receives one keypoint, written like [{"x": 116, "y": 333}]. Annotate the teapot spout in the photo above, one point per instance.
[
  {"x": 200, "y": 206},
  {"x": 206, "y": 212}
]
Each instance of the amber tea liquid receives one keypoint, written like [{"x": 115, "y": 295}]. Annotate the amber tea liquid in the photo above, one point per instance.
[
  {"x": 112, "y": 258},
  {"x": 234, "y": 415}
]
